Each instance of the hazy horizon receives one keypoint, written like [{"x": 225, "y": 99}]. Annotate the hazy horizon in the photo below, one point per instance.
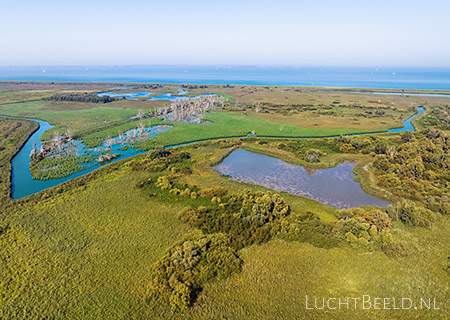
[
  {"x": 219, "y": 65},
  {"x": 199, "y": 32}
]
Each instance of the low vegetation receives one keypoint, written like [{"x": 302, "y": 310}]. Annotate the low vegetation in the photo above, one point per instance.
[
  {"x": 438, "y": 117},
  {"x": 13, "y": 134},
  {"x": 163, "y": 235}
]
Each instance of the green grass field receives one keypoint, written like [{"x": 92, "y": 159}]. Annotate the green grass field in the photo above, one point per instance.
[
  {"x": 87, "y": 253},
  {"x": 85, "y": 249}
]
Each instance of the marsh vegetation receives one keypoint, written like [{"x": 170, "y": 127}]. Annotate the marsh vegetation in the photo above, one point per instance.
[{"x": 163, "y": 235}]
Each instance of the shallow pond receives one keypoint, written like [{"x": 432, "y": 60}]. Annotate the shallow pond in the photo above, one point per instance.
[
  {"x": 135, "y": 95},
  {"x": 333, "y": 186}
]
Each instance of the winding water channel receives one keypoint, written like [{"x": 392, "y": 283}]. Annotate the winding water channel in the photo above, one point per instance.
[{"x": 24, "y": 185}]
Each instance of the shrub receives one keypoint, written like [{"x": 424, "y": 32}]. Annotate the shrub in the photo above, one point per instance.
[
  {"x": 313, "y": 156},
  {"x": 347, "y": 148},
  {"x": 163, "y": 183},
  {"x": 216, "y": 191},
  {"x": 411, "y": 214},
  {"x": 361, "y": 229},
  {"x": 187, "y": 266}
]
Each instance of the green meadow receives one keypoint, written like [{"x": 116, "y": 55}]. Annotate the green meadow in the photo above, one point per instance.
[{"x": 87, "y": 249}]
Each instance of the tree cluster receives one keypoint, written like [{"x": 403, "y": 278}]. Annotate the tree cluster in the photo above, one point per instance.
[
  {"x": 81, "y": 97},
  {"x": 361, "y": 144},
  {"x": 418, "y": 169},
  {"x": 361, "y": 229},
  {"x": 247, "y": 217},
  {"x": 180, "y": 275},
  {"x": 193, "y": 86}
]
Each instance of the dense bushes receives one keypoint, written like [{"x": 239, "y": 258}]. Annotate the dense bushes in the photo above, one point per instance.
[
  {"x": 418, "y": 169},
  {"x": 81, "y": 97},
  {"x": 179, "y": 276},
  {"x": 159, "y": 159},
  {"x": 364, "y": 144},
  {"x": 361, "y": 229},
  {"x": 247, "y": 217},
  {"x": 411, "y": 214},
  {"x": 310, "y": 151},
  {"x": 313, "y": 155}
]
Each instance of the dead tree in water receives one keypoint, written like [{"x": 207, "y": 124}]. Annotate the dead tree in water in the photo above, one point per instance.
[
  {"x": 57, "y": 142},
  {"x": 69, "y": 135},
  {"x": 34, "y": 149},
  {"x": 189, "y": 110},
  {"x": 109, "y": 142}
]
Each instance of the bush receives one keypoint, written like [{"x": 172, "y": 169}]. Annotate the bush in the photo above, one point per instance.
[
  {"x": 81, "y": 97},
  {"x": 347, "y": 148},
  {"x": 216, "y": 191},
  {"x": 361, "y": 229},
  {"x": 411, "y": 214},
  {"x": 159, "y": 159},
  {"x": 187, "y": 266},
  {"x": 313, "y": 156},
  {"x": 307, "y": 228},
  {"x": 164, "y": 183}
]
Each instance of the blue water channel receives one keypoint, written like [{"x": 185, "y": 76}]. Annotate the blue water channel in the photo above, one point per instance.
[{"x": 22, "y": 181}]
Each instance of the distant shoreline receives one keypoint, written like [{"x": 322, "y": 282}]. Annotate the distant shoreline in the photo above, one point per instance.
[{"x": 329, "y": 77}]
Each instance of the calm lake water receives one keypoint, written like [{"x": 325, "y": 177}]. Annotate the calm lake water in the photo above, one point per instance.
[
  {"x": 351, "y": 77},
  {"x": 334, "y": 186}
]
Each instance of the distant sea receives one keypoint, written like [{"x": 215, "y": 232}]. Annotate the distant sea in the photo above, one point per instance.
[{"x": 351, "y": 77}]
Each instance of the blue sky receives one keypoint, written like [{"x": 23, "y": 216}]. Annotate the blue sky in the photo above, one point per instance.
[{"x": 282, "y": 32}]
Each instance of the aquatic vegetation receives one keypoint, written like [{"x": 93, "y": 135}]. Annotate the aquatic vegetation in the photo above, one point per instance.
[
  {"x": 55, "y": 167},
  {"x": 63, "y": 156}
]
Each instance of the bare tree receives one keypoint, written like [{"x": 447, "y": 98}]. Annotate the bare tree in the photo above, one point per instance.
[
  {"x": 69, "y": 135},
  {"x": 57, "y": 141},
  {"x": 109, "y": 142}
]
